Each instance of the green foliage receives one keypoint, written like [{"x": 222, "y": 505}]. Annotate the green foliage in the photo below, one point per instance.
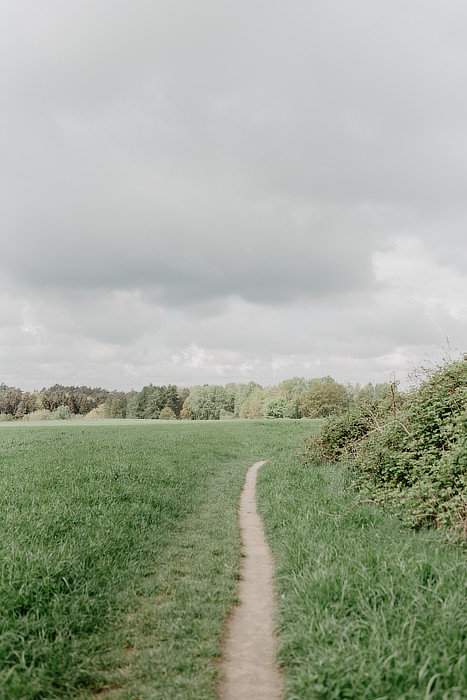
[
  {"x": 120, "y": 553},
  {"x": 242, "y": 392},
  {"x": 116, "y": 405},
  {"x": 10, "y": 400},
  {"x": 336, "y": 434},
  {"x": 61, "y": 413},
  {"x": 278, "y": 408},
  {"x": 408, "y": 450},
  {"x": 185, "y": 413},
  {"x": 150, "y": 401},
  {"x": 206, "y": 402},
  {"x": 39, "y": 415},
  {"x": 80, "y": 399},
  {"x": 253, "y": 406},
  {"x": 324, "y": 397},
  {"x": 234, "y": 400},
  {"x": 6, "y": 417},
  {"x": 21, "y": 404},
  {"x": 293, "y": 389},
  {"x": 366, "y": 608},
  {"x": 167, "y": 414}
]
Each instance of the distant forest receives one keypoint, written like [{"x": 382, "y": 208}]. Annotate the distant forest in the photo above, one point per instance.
[{"x": 291, "y": 398}]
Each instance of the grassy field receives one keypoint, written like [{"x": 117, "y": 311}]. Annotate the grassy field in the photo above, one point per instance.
[
  {"x": 120, "y": 551},
  {"x": 367, "y": 609}
]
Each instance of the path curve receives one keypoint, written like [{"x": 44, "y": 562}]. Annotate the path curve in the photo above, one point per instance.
[{"x": 249, "y": 653}]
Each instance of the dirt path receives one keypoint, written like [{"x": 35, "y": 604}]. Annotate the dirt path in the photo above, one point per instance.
[{"x": 248, "y": 666}]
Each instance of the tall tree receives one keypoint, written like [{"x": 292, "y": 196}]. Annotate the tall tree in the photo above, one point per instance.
[
  {"x": 206, "y": 402},
  {"x": 325, "y": 396}
]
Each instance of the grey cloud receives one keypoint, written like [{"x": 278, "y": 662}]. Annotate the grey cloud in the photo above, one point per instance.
[
  {"x": 159, "y": 159},
  {"x": 189, "y": 250}
]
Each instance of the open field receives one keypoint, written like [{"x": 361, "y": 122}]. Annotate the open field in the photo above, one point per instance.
[
  {"x": 120, "y": 551},
  {"x": 367, "y": 609}
]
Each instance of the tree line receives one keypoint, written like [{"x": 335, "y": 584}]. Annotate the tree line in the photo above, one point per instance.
[{"x": 292, "y": 398}]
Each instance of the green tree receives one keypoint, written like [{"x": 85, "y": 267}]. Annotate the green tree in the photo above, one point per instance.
[
  {"x": 133, "y": 406},
  {"x": 61, "y": 413},
  {"x": 242, "y": 393},
  {"x": 19, "y": 413},
  {"x": 231, "y": 393},
  {"x": 167, "y": 414},
  {"x": 325, "y": 396},
  {"x": 253, "y": 406},
  {"x": 10, "y": 398},
  {"x": 156, "y": 400},
  {"x": 183, "y": 393},
  {"x": 278, "y": 408},
  {"x": 185, "y": 413},
  {"x": 172, "y": 399},
  {"x": 292, "y": 390},
  {"x": 116, "y": 405},
  {"x": 206, "y": 402}
]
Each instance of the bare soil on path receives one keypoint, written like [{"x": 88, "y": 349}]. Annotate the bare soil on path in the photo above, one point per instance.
[{"x": 249, "y": 653}]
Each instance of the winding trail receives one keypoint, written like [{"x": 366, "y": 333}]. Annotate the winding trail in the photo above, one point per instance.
[{"x": 249, "y": 653}]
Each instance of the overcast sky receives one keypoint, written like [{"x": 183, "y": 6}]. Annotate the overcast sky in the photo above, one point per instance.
[{"x": 199, "y": 191}]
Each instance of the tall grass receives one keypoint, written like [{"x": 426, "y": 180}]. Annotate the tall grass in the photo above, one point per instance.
[
  {"x": 120, "y": 553},
  {"x": 367, "y": 609}
]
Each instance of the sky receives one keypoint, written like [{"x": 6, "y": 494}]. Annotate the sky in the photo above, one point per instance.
[{"x": 206, "y": 192}]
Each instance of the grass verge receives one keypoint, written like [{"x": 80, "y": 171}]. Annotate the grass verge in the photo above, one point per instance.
[
  {"x": 120, "y": 553},
  {"x": 365, "y": 609}
]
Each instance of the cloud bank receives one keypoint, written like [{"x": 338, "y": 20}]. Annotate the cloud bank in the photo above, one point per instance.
[{"x": 212, "y": 192}]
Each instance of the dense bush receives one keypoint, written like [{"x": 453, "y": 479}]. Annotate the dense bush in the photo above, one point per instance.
[
  {"x": 167, "y": 414},
  {"x": 206, "y": 402},
  {"x": 61, "y": 413},
  {"x": 38, "y": 415},
  {"x": 151, "y": 400},
  {"x": 408, "y": 450},
  {"x": 278, "y": 408},
  {"x": 324, "y": 397}
]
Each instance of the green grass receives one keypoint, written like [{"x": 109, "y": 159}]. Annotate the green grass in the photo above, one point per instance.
[
  {"x": 120, "y": 553},
  {"x": 366, "y": 609},
  {"x": 119, "y": 558}
]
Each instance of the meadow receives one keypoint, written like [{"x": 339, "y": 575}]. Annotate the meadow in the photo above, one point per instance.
[
  {"x": 367, "y": 609},
  {"x": 120, "y": 554}
]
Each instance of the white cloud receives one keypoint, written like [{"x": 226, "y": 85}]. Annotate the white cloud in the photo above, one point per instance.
[
  {"x": 194, "y": 356},
  {"x": 414, "y": 276}
]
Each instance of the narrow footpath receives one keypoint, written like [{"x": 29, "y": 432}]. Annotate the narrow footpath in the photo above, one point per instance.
[{"x": 249, "y": 654}]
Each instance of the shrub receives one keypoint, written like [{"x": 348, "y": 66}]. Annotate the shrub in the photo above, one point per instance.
[
  {"x": 6, "y": 417},
  {"x": 278, "y": 408},
  {"x": 96, "y": 413},
  {"x": 41, "y": 414},
  {"x": 61, "y": 413},
  {"x": 409, "y": 451},
  {"x": 335, "y": 436},
  {"x": 167, "y": 414}
]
